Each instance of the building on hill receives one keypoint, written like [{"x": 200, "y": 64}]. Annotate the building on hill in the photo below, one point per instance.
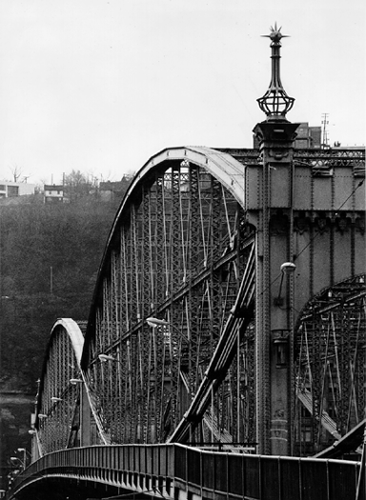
[
  {"x": 12, "y": 189},
  {"x": 109, "y": 191},
  {"x": 53, "y": 193}
]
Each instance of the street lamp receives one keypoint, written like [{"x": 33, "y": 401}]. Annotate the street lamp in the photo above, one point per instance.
[
  {"x": 56, "y": 399},
  {"x": 24, "y": 451},
  {"x": 156, "y": 322},
  {"x": 106, "y": 357},
  {"x": 287, "y": 269},
  {"x": 75, "y": 381},
  {"x": 16, "y": 461}
]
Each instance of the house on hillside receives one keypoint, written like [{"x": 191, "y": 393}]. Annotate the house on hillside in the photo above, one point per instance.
[{"x": 53, "y": 193}]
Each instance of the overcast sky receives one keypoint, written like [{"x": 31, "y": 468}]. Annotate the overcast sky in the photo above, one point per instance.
[{"x": 101, "y": 86}]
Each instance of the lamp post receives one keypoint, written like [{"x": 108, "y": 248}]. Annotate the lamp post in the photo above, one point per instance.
[
  {"x": 25, "y": 453},
  {"x": 168, "y": 377},
  {"x": 17, "y": 461},
  {"x": 156, "y": 322},
  {"x": 180, "y": 367},
  {"x": 287, "y": 269},
  {"x": 106, "y": 357},
  {"x": 85, "y": 425},
  {"x": 56, "y": 399}
]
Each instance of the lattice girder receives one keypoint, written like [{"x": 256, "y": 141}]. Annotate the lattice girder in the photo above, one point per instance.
[
  {"x": 330, "y": 366},
  {"x": 177, "y": 251},
  {"x": 58, "y": 399},
  {"x": 179, "y": 255}
]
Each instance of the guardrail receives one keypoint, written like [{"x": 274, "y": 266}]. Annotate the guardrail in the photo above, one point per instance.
[{"x": 167, "y": 470}]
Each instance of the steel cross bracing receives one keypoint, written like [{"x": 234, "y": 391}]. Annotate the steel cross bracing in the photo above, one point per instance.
[
  {"x": 227, "y": 348},
  {"x": 330, "y": 366},
  {"x": 179, "y": 255},
  {"x": 337, "y": 157},
  {"x": 183, "y": 249}
]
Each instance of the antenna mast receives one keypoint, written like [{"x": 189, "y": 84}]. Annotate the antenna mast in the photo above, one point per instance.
[{"x": 325, "y": 122}]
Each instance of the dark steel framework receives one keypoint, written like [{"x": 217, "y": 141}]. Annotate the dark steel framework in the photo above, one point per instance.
[
  {"x": 58, "y": 401},
  {"x": 330, "y": 366},
  {"x": 180, "y": 251},
  {"x": 175, "y": 336}
]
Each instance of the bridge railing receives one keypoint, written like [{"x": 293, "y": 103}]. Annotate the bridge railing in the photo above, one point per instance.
[{"x": 166, "y": 469}]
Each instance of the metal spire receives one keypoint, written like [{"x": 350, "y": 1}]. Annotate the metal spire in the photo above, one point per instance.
[{"x": 275, "y": 103}]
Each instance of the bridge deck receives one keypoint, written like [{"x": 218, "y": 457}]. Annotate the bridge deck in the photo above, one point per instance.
[{"x": 181, "y": 472}]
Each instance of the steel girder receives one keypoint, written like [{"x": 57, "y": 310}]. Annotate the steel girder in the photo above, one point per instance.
[
  {"x": 178, "y": 251},
  {"x": 330, "y": 345},
  {"x": 58, "y": 399},
  {"x": 181, "y": 250}
]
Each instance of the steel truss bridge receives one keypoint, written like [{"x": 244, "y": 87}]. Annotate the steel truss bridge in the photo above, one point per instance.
[
  {"x": 225, "y": 343},
  {"x": 228, "y": 319}
]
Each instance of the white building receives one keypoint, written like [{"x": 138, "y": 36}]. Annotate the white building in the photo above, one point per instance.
[
  {"x": 53, "y": 193},
  {"x": 12, "y": 189}
]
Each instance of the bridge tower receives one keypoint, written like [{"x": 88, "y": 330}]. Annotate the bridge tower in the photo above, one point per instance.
[{"x": 275, "y": 253}]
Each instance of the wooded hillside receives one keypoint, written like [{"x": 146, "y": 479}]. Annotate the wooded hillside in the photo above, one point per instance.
[{"x": 49, "y": 258}]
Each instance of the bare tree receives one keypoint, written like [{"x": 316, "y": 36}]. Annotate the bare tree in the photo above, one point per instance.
[
  {"x": 16, "y": 172},
  {"x": 76, "y": 184}
]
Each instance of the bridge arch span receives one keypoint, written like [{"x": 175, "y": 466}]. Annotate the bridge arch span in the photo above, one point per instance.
[
  {"x": 58, "y": 400},
  {"x": 173, "y": 343},
  {"x": 222, "y": 166},
  {"x": 179, "y": 249}
]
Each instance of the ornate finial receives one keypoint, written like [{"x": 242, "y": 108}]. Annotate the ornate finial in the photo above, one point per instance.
[
  {"x": 275, "y": 34},
  {"x": 275, "y": 103}
]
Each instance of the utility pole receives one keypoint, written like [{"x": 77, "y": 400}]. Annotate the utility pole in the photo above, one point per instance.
[{"x": 325, "y": 122}]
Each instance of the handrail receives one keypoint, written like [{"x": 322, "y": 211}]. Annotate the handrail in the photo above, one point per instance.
[{"x": 167, "y": 469}]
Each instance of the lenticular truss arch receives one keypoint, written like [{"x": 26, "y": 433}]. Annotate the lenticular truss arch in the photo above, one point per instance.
[
  {"x": 206, "y": 249},
  {"x": 56, "y": 398}
]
